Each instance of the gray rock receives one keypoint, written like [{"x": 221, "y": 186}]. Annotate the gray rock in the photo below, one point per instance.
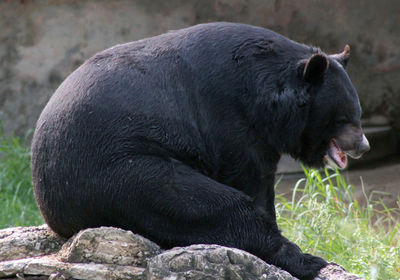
[
  {"x": 22, "y": 242},
  {"x": 51, "y": 266},
  {"x": 212, "y": 262},
  {"x": 336, "y": 272},
  {"x": 108, "y": 245},
  {"x": 101, "y": 253},
  {"x": 111, "y": 253}
]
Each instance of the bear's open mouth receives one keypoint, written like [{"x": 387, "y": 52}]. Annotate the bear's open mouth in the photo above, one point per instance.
[{"x": 335, "y": 157}]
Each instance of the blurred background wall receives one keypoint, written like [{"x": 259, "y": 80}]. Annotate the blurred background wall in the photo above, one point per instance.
[{"x": 41, "y": 42}]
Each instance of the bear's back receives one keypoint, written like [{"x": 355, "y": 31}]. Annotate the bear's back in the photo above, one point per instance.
[{"x": 157, "y": 72}]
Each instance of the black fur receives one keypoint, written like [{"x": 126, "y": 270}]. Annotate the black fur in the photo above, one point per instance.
[{"x": 177, "y": 138}]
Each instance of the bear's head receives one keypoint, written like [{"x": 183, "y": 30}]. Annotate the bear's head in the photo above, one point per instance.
[{"x": 333, "y": 129}]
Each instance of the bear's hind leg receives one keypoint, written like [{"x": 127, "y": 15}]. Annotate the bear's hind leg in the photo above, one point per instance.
[{"x": 175, "y": 205}]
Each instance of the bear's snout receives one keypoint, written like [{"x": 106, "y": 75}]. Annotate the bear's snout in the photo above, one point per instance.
[
  {"x": 363, "y": 146},
  {"x": 359, "y": 147},
  {"x": 352, "y": 141}
]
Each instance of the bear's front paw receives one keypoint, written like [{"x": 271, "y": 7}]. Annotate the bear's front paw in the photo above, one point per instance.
[
  {"x": 310, "y": 267},
  {"x": 300, "y": 265}
]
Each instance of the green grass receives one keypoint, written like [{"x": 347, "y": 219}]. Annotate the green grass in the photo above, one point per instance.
[
  {"x": 325, "y": 219},
  {"x": 17, "y": 204},
  {"x": 322, "y": 217}
]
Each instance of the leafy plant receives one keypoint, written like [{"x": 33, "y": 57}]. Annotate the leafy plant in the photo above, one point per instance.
[
  {"x": 324, "y": 218},
  {"x": 17, "y": 203}
]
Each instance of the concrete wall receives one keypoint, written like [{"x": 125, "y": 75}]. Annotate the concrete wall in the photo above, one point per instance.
[{"x": 42, "y": 41}]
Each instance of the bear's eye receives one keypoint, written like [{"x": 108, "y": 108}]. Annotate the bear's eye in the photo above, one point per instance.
[{"x": 341, "y": 121}]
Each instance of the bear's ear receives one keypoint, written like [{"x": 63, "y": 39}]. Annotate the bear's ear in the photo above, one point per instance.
[
  {"x": 343, "y": 57},
  {"x": 315, "y": 68}
]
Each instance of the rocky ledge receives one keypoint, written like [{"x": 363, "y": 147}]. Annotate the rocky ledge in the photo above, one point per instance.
[{"x": 110, "y": 253}]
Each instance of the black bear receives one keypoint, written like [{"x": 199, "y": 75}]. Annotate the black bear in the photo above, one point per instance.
[{"x": 177, "y": 137}]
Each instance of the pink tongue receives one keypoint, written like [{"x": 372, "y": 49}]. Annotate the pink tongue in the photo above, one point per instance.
[{"x": 338, "y": 155}]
